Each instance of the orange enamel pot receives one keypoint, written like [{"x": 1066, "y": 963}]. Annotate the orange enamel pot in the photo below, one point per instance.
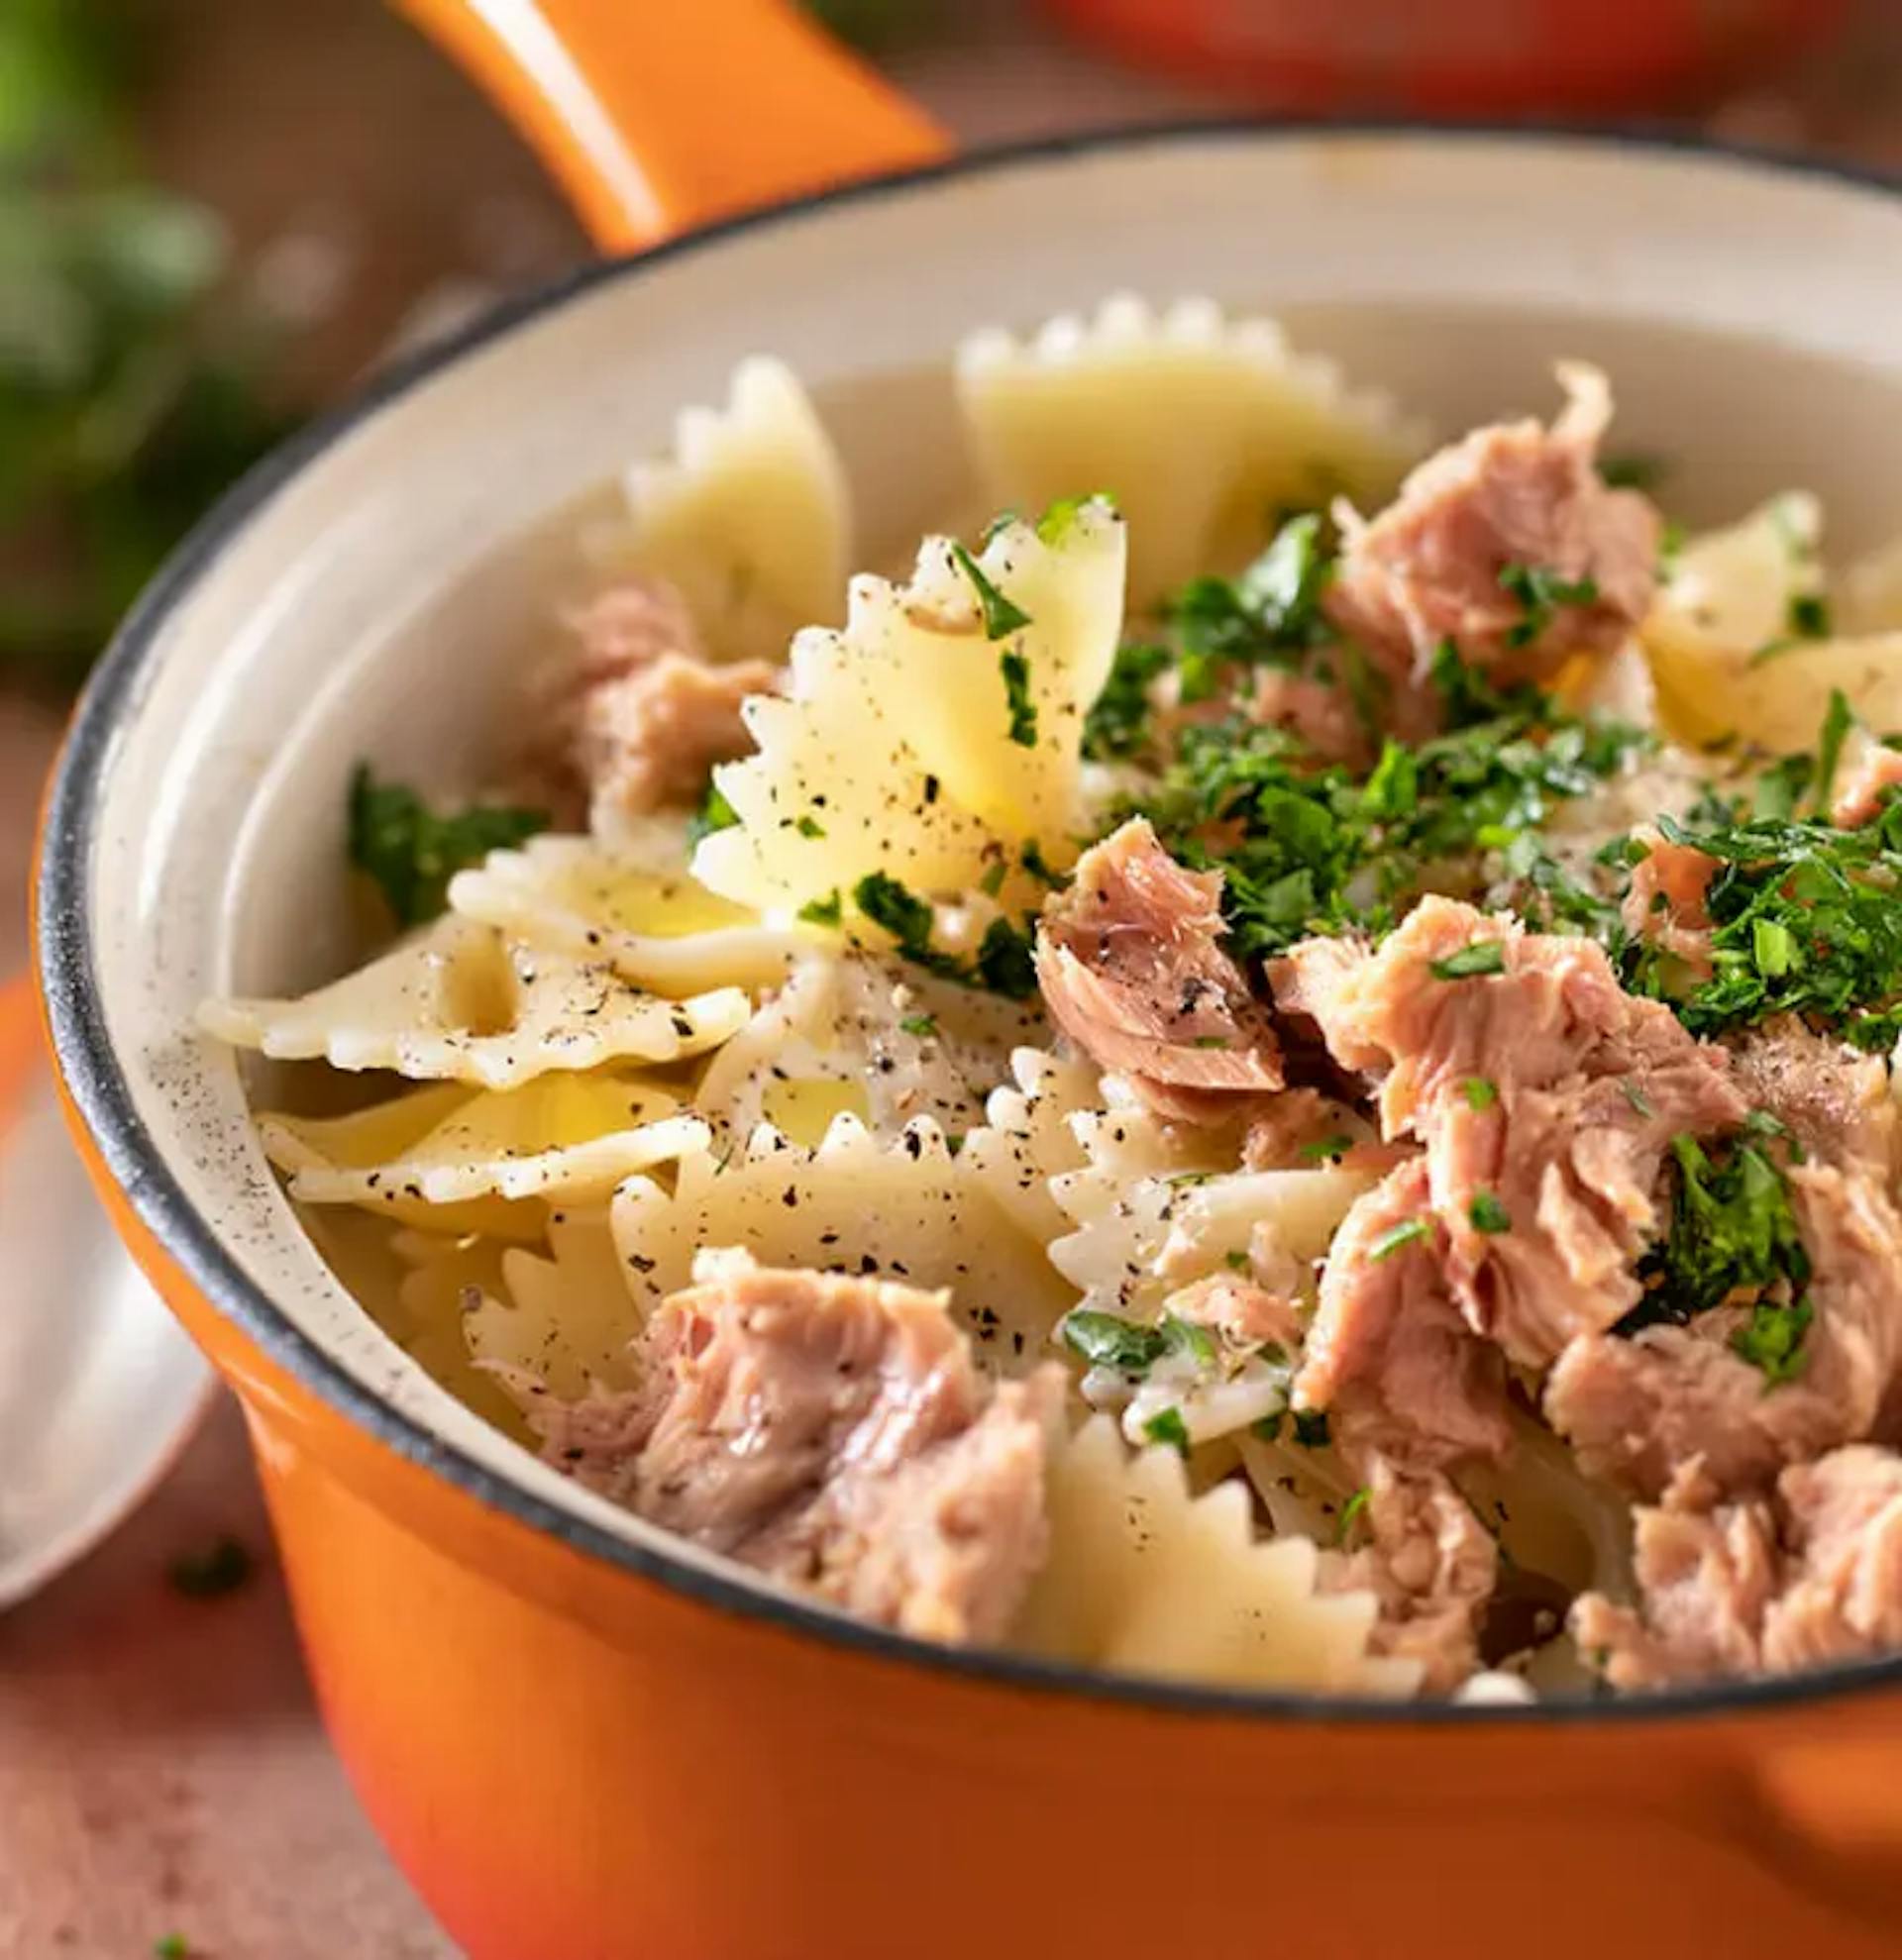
[{"x": 580, "y": 1740}]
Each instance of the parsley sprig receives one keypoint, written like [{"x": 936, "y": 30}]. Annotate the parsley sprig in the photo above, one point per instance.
[
  {"x": 1002, "y": 965},
  {"x": 412, "y": 853}
]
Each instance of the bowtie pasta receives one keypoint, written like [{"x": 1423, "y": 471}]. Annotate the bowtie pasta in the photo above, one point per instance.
[{"x": 1274, "y": 1072}]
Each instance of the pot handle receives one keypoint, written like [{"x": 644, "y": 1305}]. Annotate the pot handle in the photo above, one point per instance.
[{"x": 656, "y": 116}]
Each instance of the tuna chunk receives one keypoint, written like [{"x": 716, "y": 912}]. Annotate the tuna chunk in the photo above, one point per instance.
[
  {"x": 1546, "y": 1099},
  {"x": 1428, "y": 568},
  {"x": 1244, "y": 1314},
  {"x": 834, "y": 1434},
  {"x": 1636, "y": 1410},
  {"x": 1836, "y": 1100},
  {"x": 1133, "y": 970},
  {"x": 650, "y": 738},
  {"x": 1320, "y": 714},
  {"x": 1430, "y": 1563},
  {"x": 1810, "y": 1574},
  {"x": 1666, "y": 901},
  {"x": 1864, "y": 790},
  {"x": 636, "y": 715},
  {"x": 1389, "y": 1354}
]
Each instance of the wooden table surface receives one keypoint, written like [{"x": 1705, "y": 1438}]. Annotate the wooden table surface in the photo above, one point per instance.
[{"x": 162, "y": 1769}]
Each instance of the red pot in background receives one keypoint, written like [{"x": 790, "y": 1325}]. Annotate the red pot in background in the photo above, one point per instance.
[{"x": 1457, "y": 56}]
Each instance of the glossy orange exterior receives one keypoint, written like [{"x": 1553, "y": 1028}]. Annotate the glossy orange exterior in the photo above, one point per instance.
[
  {"x": 573, "y": 1763},
  {"x": 660, "y": 115},
  {"x": 576, "y": 1762}
]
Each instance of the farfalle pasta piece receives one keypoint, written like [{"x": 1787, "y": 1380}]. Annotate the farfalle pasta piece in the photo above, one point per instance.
[
  {"x": 1027, "y": 1137},
  {"x": 560, "y": 1324},
  {"x": 1198, "y": 425},
  {"x": 431, "y": 1157},
  {"x": 655, "y": 925},
  {"x": 1732, "y": 638},
  {"x": 1139, "y": 1237},
  {"x": 464, "y": 1002},
  {"x": 907, "y": 1209},
  {"x": 853, "y": 1033},
  {"x": 750, "y": 517},
  {"x": 1146, "y": 1578},
  {"x": 938, "y": 732}
]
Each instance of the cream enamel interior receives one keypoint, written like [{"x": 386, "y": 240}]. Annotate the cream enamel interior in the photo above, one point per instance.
[{"x": 379, "y": 603}]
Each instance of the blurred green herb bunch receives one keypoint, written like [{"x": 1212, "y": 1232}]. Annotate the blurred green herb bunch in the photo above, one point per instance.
[{"x": 131, "y": 364}]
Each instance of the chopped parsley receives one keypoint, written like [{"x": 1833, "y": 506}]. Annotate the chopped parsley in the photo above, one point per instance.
[
  {"x": 1311, "y": 1428},
  {"x": 1732, "y": 1229},
  {"x": 1270, "y": 615},
  {"x": 1805, "y": 919},
  {"x": 1637, "y": 470},
  {"x": 1325, "y": 1148},
  {"x": 1107, "y": 1340},
  {"x": 412, "y": 854},
  {"x": 1117, "y": 724},
  {"x": 1054, "y": 525},
  {"x": 1397, "y": 1238},
  {"x": 1772, "y": 1340},
  {"x": 1480, "y": 1093},
  {"x": 1482, "y": 956},
  {"x": 715, "y": 813},
  {"x": 172, "y": 1946},
  {"x": 809, "y": 826},
  {"x": 1540, "y": 592},
  {"x": 1350, "y": 1514},
  {"x": 922, "y": 1026},
  {"x": 826, "y": 912},
  {"x": 1001, "y": 615},
  {"x": 1167, "y": 1426},
  {"x": 1836, "y": 725},
  {"x": 1327, "y": 848},
  {"x": 1488, "y": 1215},
  {"x": 220, "y": 1568},
  {"x": 1015, "y": 669},
  {"x": 1809, "y": 617},
  {"x": 1005, "y": 962}
]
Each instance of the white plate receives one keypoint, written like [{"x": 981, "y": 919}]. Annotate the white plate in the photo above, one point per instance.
[{"x": 99, "y": 1387}]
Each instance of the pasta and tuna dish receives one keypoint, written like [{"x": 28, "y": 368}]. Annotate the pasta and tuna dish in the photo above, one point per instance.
[{"x": 1272, "y": 1070}]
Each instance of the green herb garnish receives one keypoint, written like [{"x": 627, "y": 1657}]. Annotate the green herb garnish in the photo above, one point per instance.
[
  {"x": 826, "y": 912},
  {"x": 1350, "y": 1513},
  {"x": 1482, "y": 956},
  {"x": 1107, "y": 1340},
  {"x": 1327, "y": 1147},
  {"x": 1772, "y": 1341},
  {"x": 1488, "y": 1215},
  {"x": 1167, "y": 1426},
  {"x": 1397, "y": 1238},
  {"x": 1480, "y": 1093},
  {"x": 1117, "y": 724},
  {"x": 1015, "y": 671},
  {"x": 716, "y": 813},
  {"x": 1540, "y": 592},
  {"x": 1732, "y": 1229},
  {"x": 922, "y": 1026},
  {"x": 1311, "y": 1428},
  {"x": 412, "y": 854},
  {"x": 806, "y": 826},
  {"x": 1002, "y": 616}
]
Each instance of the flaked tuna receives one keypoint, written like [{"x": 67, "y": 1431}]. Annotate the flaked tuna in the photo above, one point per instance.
[
  {"x": 1804, "y": 1575},
  {"x": 1863, "y": 788},
  {"x": 1428, "y": 1562},
  {"x": 1546, "y": 1099},
  {"x": 1451, "y": 556},
  {"x": 1133, "y": 970},
  {"x": 833, "y": 1433},
  {"x": 1835, "y": 1100},
  {"x": 636, "y": 713},
  {"x": 650, "y": 738},
  {"x": 1389, "y": 1354},
  {"x": 1666, "y": 901},
  {"x": 1639, "y": 1409}
]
